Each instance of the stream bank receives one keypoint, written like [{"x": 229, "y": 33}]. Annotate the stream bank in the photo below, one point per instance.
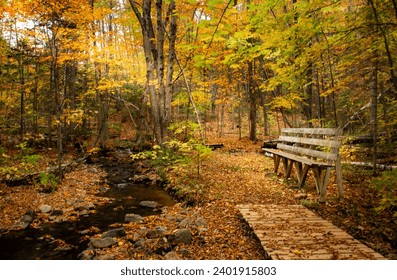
[{"x": 98, "y": 197}]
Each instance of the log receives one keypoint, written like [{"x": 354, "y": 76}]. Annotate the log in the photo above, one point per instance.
[
  {"x": 270, "y": 144},
  {"x": 215, "y": 146},
  {"x": 371, "y": 165},
  {"x": 31, "y": 178}
]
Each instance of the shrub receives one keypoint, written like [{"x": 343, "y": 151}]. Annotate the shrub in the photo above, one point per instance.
[
  {"x": 386, "y": 184},
  {"x": 179, "y": 161},
  {"x": 31, "y": 159},
  {"x": 48, "y": 182}
]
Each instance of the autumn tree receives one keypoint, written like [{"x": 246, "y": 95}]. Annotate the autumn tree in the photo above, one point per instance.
[{"x": 159, "y": 37}]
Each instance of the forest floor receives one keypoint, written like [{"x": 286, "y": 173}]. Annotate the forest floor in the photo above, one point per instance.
[{"x": 236, "y": 174}]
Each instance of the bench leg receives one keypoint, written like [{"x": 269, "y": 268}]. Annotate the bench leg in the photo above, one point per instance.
[
  {"x": 303, "y": 175},
  {"x": 276, "y": 160},
  {"x": 338, "y": 171},
  {"x": 285, "y": 163},
  {"x": 324, "y": 184},
  {"x": 321, "y": 178},
  {"x": 288, "y": 171},
  {"x": 318, "y": 178},
  {"x": 298, "y": 169}
]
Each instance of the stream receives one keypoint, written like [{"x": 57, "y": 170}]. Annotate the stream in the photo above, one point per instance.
[{"x": 43, "y": 243}]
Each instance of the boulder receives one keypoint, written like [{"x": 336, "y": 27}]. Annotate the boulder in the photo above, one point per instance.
[
  {"x": 122, "y": 185},
  {"x": 183, "y": 236},
  {"x": 85, "y": 206},
  {"x": 85, "y": 232},
  {"x": 20, "y": 225},
  {"x": 160, "y": 229},
  {"x": 31, "y": 213},
  {"x": 27, "y": 219},
  {"x": 45, "y": 208},
  {"x": 135, "y": 218},
  {"x": 200, "y": 222},
  {"x": 171, "y": 256},
  {"x": 105, "y": 257},
  {"x": 84, "y": 213},
  {"x": 102, "y": 242},
  {"x": 184, "y": 252},
  {"x": 86, "y": 254},
  {"x": 116, "y": 232},
  {"x": 185, "y": 223},
  {"x": 57, "y": 213},
  {"x": 150, "y": 204},
  {"x": 134, "y": 237},
  {"x": 140, "y": 243},
  {"x": 151, "y": 234}
]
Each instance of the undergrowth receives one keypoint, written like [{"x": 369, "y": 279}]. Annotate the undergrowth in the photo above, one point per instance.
[
  {"x": 386, "y": 185},
  {"x": 179, "y": 161}
]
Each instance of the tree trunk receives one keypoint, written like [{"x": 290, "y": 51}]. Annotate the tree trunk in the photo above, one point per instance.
[
  {"x": 266, "y": 126},
  {"x": 308, "y": 101},
  {"x": 22, "y": 101},
  {"x": 55, "y": 90},
  {"x": 252, "y": 99},
  {"x": 158, "y": 83},
  {"x": 394, "y": 7},
  {"x": 393, "y": 78},
  {"x": 170, "y": 63},
  {"x": 374, "y": 111}
]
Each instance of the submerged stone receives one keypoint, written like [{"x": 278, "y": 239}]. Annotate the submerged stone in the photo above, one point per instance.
[{"x": 150, "y": 204}]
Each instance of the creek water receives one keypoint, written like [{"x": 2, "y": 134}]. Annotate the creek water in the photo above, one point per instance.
[{"x": 43, "y": 242}]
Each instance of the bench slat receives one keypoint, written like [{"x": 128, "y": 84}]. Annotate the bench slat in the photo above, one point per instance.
[
  {"x": 308, "y": 152},
  {"x": 313, "y": 131},
  {"x": 297, "y": 158},
  {"x": 311, "y": 141}
]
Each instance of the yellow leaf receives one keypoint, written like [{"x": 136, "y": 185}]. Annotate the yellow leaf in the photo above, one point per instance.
[{"x": 297, "y": 252}]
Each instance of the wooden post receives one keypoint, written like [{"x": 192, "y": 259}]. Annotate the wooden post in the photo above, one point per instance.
[{"x": 338, "y": 170}]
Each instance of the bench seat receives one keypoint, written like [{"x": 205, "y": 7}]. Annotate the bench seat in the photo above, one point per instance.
[{"x": 301, "y": 159}]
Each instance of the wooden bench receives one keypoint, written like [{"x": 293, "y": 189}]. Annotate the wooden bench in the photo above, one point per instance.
[{"x": 309, "y": 148}]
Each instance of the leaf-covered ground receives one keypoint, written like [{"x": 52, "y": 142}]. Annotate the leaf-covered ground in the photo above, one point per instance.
[{"x": 237, "y": 173}]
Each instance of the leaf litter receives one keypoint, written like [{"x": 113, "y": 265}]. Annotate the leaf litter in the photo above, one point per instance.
[{"x": 235, "y": 174}]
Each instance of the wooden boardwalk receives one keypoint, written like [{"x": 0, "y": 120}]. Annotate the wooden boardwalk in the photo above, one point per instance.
[{"x": 293, "y": 232}]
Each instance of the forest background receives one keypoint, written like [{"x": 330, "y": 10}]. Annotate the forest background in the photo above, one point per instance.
[{"x": 68, "y": 67}]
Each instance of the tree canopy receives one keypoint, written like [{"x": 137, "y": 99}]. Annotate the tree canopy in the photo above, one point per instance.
[{"x": 67, "y": 66}]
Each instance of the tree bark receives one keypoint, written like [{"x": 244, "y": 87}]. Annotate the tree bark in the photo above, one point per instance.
[
  {"x": 252, "y": 99},
  {"x": 374, "y": 111},
  {"x": 158, "y": 83},
  {"x": 308, "y": 101},
  {"x": 393, "y": 77}
]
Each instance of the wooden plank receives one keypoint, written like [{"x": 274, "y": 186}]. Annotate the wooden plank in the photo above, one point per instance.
[
  {"x": 291, "y": 232},
  {"x": 311, "y": 141},
  {"x": 313, "y": 131},
  {"x": 308, "y": 152},
  {"x": 294, "y": 157}
]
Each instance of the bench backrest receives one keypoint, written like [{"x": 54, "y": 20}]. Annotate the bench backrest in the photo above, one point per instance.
[{"x": 316, "y": 143}]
